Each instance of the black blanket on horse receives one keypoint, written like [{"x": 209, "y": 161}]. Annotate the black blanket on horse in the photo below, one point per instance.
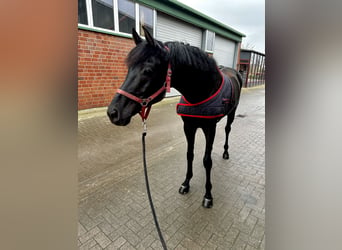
[{"x": 217, "y": 105}]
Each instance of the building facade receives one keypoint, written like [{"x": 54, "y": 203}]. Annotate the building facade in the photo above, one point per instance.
[
  {"x": 104, "y": 40},
  {"x": 252, "y": 68}
]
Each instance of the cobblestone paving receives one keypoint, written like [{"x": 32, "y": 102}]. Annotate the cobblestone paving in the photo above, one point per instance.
[{"x": 113, "y": 207}]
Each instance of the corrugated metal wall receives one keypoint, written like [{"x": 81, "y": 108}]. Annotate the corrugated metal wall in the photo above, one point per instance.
[
  {"x": 172, "y": 29},
  {"x": 225, "y": 52}
]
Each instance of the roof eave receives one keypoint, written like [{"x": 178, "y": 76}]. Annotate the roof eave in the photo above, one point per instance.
[{"x": 188, "y": 14}]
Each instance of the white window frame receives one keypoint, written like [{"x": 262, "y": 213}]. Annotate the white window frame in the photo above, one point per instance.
[
  {"x": 116, "y": 19},
  {"x": 154, "y": 23},
  {"x": 205, "y": 41},
  {"x": 89, "y": 13},
  {"x": 137, "y": 18},
  {"x": 116, "y": 15}
]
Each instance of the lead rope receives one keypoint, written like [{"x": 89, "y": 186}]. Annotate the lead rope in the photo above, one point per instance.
[{"x": 148, "y": 188}]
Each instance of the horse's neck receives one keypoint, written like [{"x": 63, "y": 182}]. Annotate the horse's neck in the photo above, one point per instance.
[{"x": 195, "y": 85}]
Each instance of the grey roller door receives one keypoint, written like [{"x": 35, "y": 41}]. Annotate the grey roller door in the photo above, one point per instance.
[
  {"x": 225, "y": 52},
  {"x": 172, "y": 29}
]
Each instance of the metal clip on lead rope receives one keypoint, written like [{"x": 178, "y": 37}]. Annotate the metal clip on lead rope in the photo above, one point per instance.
[{"x": 144, "y": 127}]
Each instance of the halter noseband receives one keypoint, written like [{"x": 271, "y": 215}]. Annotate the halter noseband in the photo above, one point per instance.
[{"x": 145, "y": 109}]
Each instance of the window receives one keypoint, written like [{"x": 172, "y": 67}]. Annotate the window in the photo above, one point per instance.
[
  {"x": 146, "y": 19},
  {"x": 115, "y": 15},
  {"x": 103, "y": 14},
  {"x": 209, "y": 41},
  {"x": 126, "y": 16},
  {"x": 82, "y": 12}
]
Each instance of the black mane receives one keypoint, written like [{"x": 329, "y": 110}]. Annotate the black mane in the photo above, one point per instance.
[
  {"x": 179, "y": 53},
  {"x": 190, "y": 56},
  {"x": 193, "y": 71}
]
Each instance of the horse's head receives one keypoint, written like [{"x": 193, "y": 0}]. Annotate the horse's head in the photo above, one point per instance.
[{"x": 147, "y": 68}]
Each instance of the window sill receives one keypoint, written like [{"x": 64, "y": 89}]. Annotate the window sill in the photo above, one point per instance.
[{"x": 105, "y": 31}]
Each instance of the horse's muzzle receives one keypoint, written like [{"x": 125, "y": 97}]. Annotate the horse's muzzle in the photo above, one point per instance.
[{"x": 114, "y": 117}]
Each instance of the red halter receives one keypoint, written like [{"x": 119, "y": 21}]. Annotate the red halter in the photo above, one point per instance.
[{"x": 145, "y": 109}]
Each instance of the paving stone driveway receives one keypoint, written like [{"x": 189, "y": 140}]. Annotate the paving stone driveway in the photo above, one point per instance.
[{"x": 113, "y": 208}]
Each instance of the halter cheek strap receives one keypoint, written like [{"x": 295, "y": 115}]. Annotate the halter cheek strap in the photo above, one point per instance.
[{"x": 144, "y": 102}]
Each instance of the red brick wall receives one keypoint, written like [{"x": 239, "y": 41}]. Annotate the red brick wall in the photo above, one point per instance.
[{"x": 101, "y": 67}]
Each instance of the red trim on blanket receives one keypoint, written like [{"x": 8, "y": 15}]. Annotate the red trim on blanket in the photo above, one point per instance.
[
  {"x": 209, "y": 98},
  {"x": 188, "y": 104},
  {"x": 202, "y": 116}
]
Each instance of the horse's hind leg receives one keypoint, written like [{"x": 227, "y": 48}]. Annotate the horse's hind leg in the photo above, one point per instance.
[
  {"x": 190, "y": 132},
  {"x": 230, "y": 119},
  {"x": 209, "y": 133}
]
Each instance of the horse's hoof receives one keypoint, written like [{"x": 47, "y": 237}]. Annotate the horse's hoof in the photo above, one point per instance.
[
  {"x": 207, "y": 203},
  {"x": 225, "y": 155},
  {"x": 184, "y": 189}
]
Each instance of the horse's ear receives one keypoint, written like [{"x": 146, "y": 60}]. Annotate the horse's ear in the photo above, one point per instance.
[
  {"x": 137, "y": 39},
  {"x": 148, "y": 37}
]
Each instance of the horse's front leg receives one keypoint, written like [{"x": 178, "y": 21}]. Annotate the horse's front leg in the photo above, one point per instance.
[
  {"x": 190, "y": 132},
  {"x": 207, "y": 162}
]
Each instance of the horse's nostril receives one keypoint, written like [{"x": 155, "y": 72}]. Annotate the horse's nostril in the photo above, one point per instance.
[{"x": 113, "y": 115}]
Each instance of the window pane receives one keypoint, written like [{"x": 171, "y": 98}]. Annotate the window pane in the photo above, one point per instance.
[
  {"x": 126, "y": 16},
  {"x": 146, "y": 19},
  {"x": 82, "y": 12},
  {"x": 210, "y": 40},
  {"x": 103, "y": 14}
]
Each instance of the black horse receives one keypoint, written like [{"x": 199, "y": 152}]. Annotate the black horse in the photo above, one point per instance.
[{"x": 196, "y": 76}]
